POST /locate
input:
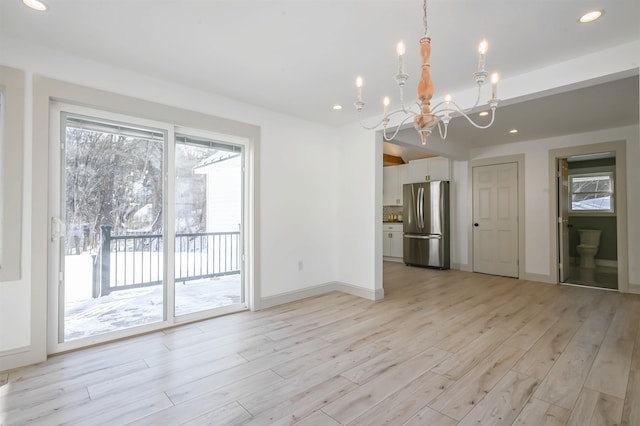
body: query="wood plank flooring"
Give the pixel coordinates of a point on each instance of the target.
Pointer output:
(442, 348)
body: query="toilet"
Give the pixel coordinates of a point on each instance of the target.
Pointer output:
(588, 247)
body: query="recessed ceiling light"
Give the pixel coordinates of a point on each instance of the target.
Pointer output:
(512, 131)
(591, 16)
(35, 5)
(484, 113)
(337, 107)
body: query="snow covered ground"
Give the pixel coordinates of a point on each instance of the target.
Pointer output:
(86, 316)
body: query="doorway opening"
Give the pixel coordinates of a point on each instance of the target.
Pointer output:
(587, 220)
(404, 164)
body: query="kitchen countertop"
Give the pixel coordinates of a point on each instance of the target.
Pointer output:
(391, 221)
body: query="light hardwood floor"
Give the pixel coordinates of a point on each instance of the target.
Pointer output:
(443, 348)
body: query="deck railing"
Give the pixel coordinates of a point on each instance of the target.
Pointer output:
(132, 261)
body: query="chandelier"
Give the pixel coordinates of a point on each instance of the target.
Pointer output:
(427, 118)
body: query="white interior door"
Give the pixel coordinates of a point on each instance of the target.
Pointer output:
(563, 218)
(495, 219)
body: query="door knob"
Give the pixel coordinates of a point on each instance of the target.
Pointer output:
(475, 224)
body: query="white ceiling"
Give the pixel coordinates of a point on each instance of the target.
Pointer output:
(301, 57)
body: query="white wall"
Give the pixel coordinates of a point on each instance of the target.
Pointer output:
(300, 186)
(15, 296)
(537, 189)
(15, 320)
(461, 217)
(359, 219)
(297, 201)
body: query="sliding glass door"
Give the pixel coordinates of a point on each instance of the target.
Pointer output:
(116, 267)
(208, 224)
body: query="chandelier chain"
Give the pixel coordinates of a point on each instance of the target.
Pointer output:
(424, 17)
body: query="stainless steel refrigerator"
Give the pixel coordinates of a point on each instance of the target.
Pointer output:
(426, 224)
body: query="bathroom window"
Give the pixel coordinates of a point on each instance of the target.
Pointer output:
(592, 192)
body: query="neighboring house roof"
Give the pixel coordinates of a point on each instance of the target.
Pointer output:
(216, 157)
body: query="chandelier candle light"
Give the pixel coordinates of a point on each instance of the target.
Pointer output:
(425, 119)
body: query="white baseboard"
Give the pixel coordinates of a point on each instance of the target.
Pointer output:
(634, 288)
(318, 290)
(599, 262)
(529, 276)
(355, 290)
(392, 259)
(19, 357)
(607, 263)
(468, 267)
(462, 267)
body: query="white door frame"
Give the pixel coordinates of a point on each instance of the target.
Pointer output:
(46, 90)
(562, 186)
(55, 298)
(619, 149)
(519, 159)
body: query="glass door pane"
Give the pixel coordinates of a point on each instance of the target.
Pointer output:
(208, 212)
(112, 210)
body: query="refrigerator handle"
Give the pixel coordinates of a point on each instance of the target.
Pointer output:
(421, 208)
(417, 208)
(423, 237)
(420, 200)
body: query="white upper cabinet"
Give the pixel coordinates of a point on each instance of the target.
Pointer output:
(393, 177)
(434, 168)
(389, 186)
(439, 168)
(403, 177)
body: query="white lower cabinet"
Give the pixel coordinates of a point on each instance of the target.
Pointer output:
(392, 240)
(396, 244)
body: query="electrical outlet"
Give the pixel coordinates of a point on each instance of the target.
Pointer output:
(300, 265)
